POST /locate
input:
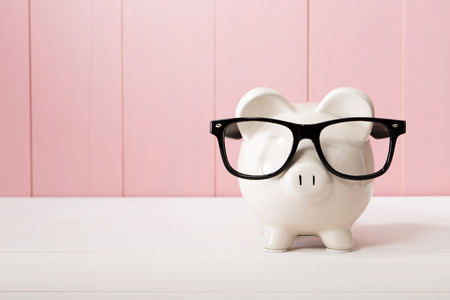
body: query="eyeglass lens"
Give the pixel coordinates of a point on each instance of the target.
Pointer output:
(264, 148)
(347, 145)
(261, 148)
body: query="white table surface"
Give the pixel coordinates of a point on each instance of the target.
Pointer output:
(210, 248)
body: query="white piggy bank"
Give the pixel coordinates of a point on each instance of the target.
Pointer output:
(306, 199)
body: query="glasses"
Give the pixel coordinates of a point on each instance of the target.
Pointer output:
(261, 148)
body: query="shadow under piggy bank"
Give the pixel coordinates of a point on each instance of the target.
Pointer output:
(394, 236)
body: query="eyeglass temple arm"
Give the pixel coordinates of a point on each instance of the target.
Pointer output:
(233, 132)
(379, 131)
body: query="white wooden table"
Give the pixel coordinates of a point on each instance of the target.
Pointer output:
(210, 248)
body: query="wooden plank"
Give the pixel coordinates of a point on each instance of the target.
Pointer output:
(221, 295)
(76, 100)
(427, 146)
(359, 44)
(389, 225)
(225, 271)
(169, 97)
(15, 154)
(258, 43)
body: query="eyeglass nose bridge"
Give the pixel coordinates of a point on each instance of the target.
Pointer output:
(305, 131)
(308, 132)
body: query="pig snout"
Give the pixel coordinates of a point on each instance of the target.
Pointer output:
(308, 178)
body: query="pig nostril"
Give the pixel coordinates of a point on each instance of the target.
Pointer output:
(300, 180)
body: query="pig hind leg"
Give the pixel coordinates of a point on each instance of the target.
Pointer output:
(338, 240)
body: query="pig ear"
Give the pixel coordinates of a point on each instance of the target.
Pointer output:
(263, 102)
(346, 102)
(260, 102)
(349, 102)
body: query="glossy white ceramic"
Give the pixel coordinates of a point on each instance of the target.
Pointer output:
(323, 204)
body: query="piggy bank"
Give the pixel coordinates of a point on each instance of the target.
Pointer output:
(306, 199)
(307, 169)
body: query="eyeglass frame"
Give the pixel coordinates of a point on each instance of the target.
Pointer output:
(311, 132)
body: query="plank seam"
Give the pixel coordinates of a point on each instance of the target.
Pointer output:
(31, 99)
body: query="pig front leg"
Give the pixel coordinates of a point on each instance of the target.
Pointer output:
(338, 240)
(276, 239)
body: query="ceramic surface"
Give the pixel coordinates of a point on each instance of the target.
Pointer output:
(319, 203)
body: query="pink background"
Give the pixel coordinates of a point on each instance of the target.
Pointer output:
(114, 97)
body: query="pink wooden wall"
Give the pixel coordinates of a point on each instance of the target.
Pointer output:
(114, 97)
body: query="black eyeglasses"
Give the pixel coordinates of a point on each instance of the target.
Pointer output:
(261, 148)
